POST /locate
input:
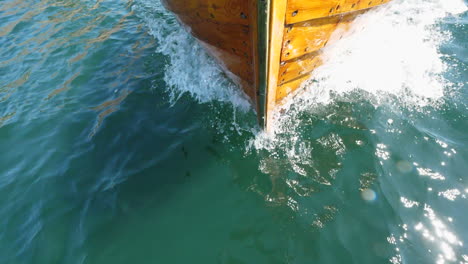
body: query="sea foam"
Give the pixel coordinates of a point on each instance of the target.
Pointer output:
(394, 52)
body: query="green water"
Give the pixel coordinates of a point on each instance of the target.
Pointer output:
(123, 142)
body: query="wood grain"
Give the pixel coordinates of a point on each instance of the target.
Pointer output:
(227, 29)
(293, 35)
(315, 25)
(303, 10)
(291, 70)
(285, 89)
(277, 13)
(312, 35)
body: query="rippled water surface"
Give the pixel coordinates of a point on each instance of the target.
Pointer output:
(123, 142)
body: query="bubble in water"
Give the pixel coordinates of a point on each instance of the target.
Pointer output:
(404, 166)
(368, 195)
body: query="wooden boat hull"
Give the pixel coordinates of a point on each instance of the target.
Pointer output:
(268, 47)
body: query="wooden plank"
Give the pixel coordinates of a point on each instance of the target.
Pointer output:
(253, 36)
(322, 23)
(285, 89)
(310, 36)
(229, 37)
(268, 46)
(291, 70)
(277, 16)
(231, 63)
(260, 60)
(227, 30)
(303, 10)
(216, 11)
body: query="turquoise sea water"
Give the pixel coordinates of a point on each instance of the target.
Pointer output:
(123, 142)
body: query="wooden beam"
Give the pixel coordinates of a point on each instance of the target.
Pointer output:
(302, 10)
(277, 18)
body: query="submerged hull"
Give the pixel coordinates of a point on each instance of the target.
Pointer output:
(268, 47)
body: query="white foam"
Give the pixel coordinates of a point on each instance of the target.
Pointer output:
(395, 52)
(190, 69)
(393, 57)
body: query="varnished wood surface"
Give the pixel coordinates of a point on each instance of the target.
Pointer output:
(309, 36)
(231, 63)
(254, 86)
(217, 11)
(227, 29)
(309, 27)
(291, 70)
(303, 10)
(289, 87)
(277, 13)
(292, 39)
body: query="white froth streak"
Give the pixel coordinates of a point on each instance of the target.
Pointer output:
(394, 52)
(189, 69)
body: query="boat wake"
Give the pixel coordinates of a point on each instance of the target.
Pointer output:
(394, 54)
(387, 80)
(367, 116)
(190, 70)
(392, 59)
